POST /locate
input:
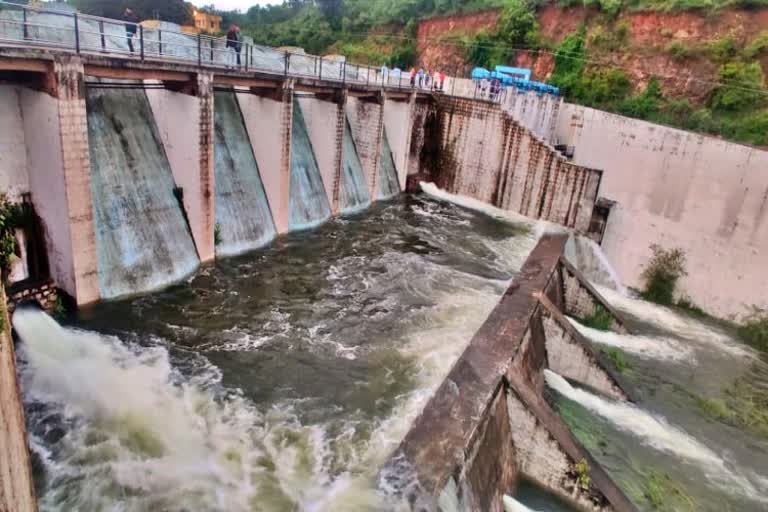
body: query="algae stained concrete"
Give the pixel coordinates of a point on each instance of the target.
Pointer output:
(325, 125)
(679, 189)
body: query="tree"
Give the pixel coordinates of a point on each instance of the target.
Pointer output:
(331, 9)
(175, 11)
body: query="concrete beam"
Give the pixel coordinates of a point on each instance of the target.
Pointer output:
(235, 81)
(29, 65)
(438, 442)
(137, 74)
(582, 299)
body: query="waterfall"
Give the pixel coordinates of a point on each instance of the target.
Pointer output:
(648, 347)
(512, 505)
(243, 216)
(656, 432)
(354, 189)
(142, 239)
(389, 186)
(308, 205)
(589, 258)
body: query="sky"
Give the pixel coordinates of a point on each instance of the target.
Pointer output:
(228, 5)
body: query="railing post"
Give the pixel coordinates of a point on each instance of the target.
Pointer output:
(211, 50)
(101, 35)
(160, 41)
(368, 76)
(77, 34)
(320, 73)
(199, 49)
(315, 63)
(344, 72)
(24, 18)
(400, 80)
(246, 57)
(287, 63)
(141, 41)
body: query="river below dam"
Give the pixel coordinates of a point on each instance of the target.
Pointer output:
(276, 380)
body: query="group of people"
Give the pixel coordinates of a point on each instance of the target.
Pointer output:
(427, 80)
(491, 89)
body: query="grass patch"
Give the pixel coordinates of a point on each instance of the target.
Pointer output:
(600, 319)
(754, 329)
(715, 408)
(616, 357)
(581, 474)
(217, 235)
(664, 493)
(687, 306)
(744, 406)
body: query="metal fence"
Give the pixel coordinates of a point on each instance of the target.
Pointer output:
(25, 26)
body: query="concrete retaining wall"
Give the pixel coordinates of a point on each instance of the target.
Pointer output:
(679, 189)
(476, 149)
(397, 124)
(16, 488)
(459, 452)
(366, 119)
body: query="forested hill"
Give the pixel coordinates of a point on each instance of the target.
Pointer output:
(694, 64)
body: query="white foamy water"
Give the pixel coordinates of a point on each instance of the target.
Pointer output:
(512, 505)
(648, 347)
(584, 254)
(539, 227)
(658, 433)
(677, 323)
(142, 439)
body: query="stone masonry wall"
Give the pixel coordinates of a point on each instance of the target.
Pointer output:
(70, 90)
(45, 294)
(486, 155)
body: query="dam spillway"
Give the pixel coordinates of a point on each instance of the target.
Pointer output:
(294, 374)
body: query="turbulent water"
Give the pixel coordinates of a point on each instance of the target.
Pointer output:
(130, 174)
(668, 452)
(243, 217)
(277, 380)
(590, 259)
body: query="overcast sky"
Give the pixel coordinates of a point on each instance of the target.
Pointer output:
(228, 5)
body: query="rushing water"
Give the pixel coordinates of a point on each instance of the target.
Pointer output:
(142, 239)
(277, 380)
(668, 452)
(243, 217)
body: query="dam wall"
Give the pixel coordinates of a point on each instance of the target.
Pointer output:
(17, 493)
(488, 424)
(476, 149)
(679, 189)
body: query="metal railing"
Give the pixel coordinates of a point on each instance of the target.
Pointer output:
(25, 26)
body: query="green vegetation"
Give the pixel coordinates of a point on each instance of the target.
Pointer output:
(11, 217)
(175, 11)
(687, 305)
(754, 329)
(663, 493)
(744, 405)
(581, 474)
(600, 319)
(617, 358)
(59, 310)
(217, 234)
(662, 273)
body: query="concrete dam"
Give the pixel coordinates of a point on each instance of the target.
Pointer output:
(298, 286)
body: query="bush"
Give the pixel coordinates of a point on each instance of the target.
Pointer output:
(485, 51)
(617, 358)
(743, 87)
(600, 319)
(662, 273)
(645, 105)
(517, 25)
(754, 329)
(10, 218)
(757, 47)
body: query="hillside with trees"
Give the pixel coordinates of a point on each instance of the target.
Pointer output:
(694, 64)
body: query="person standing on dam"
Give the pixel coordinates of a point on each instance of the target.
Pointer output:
(233, 41)
(131, 21)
